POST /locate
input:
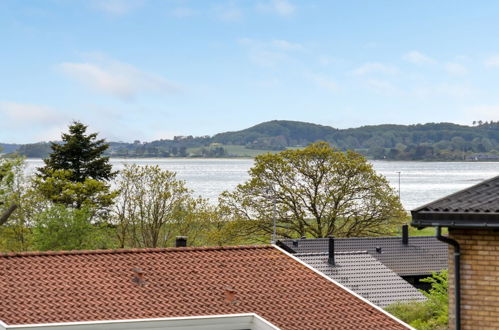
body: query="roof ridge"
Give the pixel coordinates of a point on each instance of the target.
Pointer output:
(335, 253)
(135, 250)
(356, 238)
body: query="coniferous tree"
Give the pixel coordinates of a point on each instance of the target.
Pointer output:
(76, 172)
(81, 154)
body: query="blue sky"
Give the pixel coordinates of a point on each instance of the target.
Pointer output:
(150, 69)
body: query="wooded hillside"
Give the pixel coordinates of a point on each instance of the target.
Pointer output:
(431, 141)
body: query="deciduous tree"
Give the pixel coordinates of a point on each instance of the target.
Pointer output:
(317, 191)
(151, 205)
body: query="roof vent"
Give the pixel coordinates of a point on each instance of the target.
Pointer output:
(405, 234)
(303, 237)
(138, 277)
(295, 242)
(378, 249)
(230, 295)
(330, 259)
(181, 241)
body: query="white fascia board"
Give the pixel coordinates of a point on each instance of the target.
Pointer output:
(206, 322)
(262, 324)
(343, 287)
(3, 326)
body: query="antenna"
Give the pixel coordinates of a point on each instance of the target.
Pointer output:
(399, 182)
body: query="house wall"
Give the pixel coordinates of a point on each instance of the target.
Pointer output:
(479, 278)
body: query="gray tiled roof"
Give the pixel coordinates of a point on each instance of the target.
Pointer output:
(366, 276)
(477, 205)
(422, 256)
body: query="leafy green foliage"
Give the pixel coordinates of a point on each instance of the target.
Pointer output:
(316, 191)
(151, 204)
(10, 174)
(428, 315)
(62, 228)
(58, 188)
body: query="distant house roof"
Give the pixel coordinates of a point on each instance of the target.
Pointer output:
(75, 286)
(476, 206)
(422, 255)
(366, 276)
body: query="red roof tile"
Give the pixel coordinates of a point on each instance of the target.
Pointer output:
(99, 285)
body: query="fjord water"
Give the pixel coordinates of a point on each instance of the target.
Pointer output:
(420, 182)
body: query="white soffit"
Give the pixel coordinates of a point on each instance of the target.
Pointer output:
(211, 322)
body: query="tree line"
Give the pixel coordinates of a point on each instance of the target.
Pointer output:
(432, 141)
(77, 201)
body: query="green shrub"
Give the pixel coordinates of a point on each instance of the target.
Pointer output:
(431, 314)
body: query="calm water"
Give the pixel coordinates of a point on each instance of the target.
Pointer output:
(421, 182)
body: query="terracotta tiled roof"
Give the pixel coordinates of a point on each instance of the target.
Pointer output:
(102, 285)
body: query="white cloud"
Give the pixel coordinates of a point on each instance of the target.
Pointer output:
(269, 53)
(286, 45)
(418, 58)
(279, 7)
(327, 60)
(492, 62)
(454, 91)
(382, 86)
(117, 7)
(374, 67)
(456, 69)
(31, 122)
(183, 12)
(228, 12)
(266, 58)
(28, 113)
(323, 81)
(117, 79)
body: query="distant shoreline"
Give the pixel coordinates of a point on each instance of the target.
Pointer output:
(248, 158)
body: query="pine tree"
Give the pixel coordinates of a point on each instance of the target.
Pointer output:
(81, 154)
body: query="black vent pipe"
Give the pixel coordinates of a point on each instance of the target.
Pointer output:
(330, 259)
(457, 275)
(405, 234)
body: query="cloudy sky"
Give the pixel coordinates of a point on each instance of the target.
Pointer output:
(150, 69)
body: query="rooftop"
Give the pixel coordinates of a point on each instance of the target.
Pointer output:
(366, 276)
(476, 206)
(76, 286)
(422, 255)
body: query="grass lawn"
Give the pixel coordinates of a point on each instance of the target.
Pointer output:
(430, 231)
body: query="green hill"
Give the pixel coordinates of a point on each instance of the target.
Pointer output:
(431, 141)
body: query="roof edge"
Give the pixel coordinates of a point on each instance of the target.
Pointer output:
(344, 287)
(453, 194)
(102, 322)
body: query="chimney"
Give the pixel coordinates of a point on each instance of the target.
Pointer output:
(405, 234)
(330, 259)
(181, 241)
